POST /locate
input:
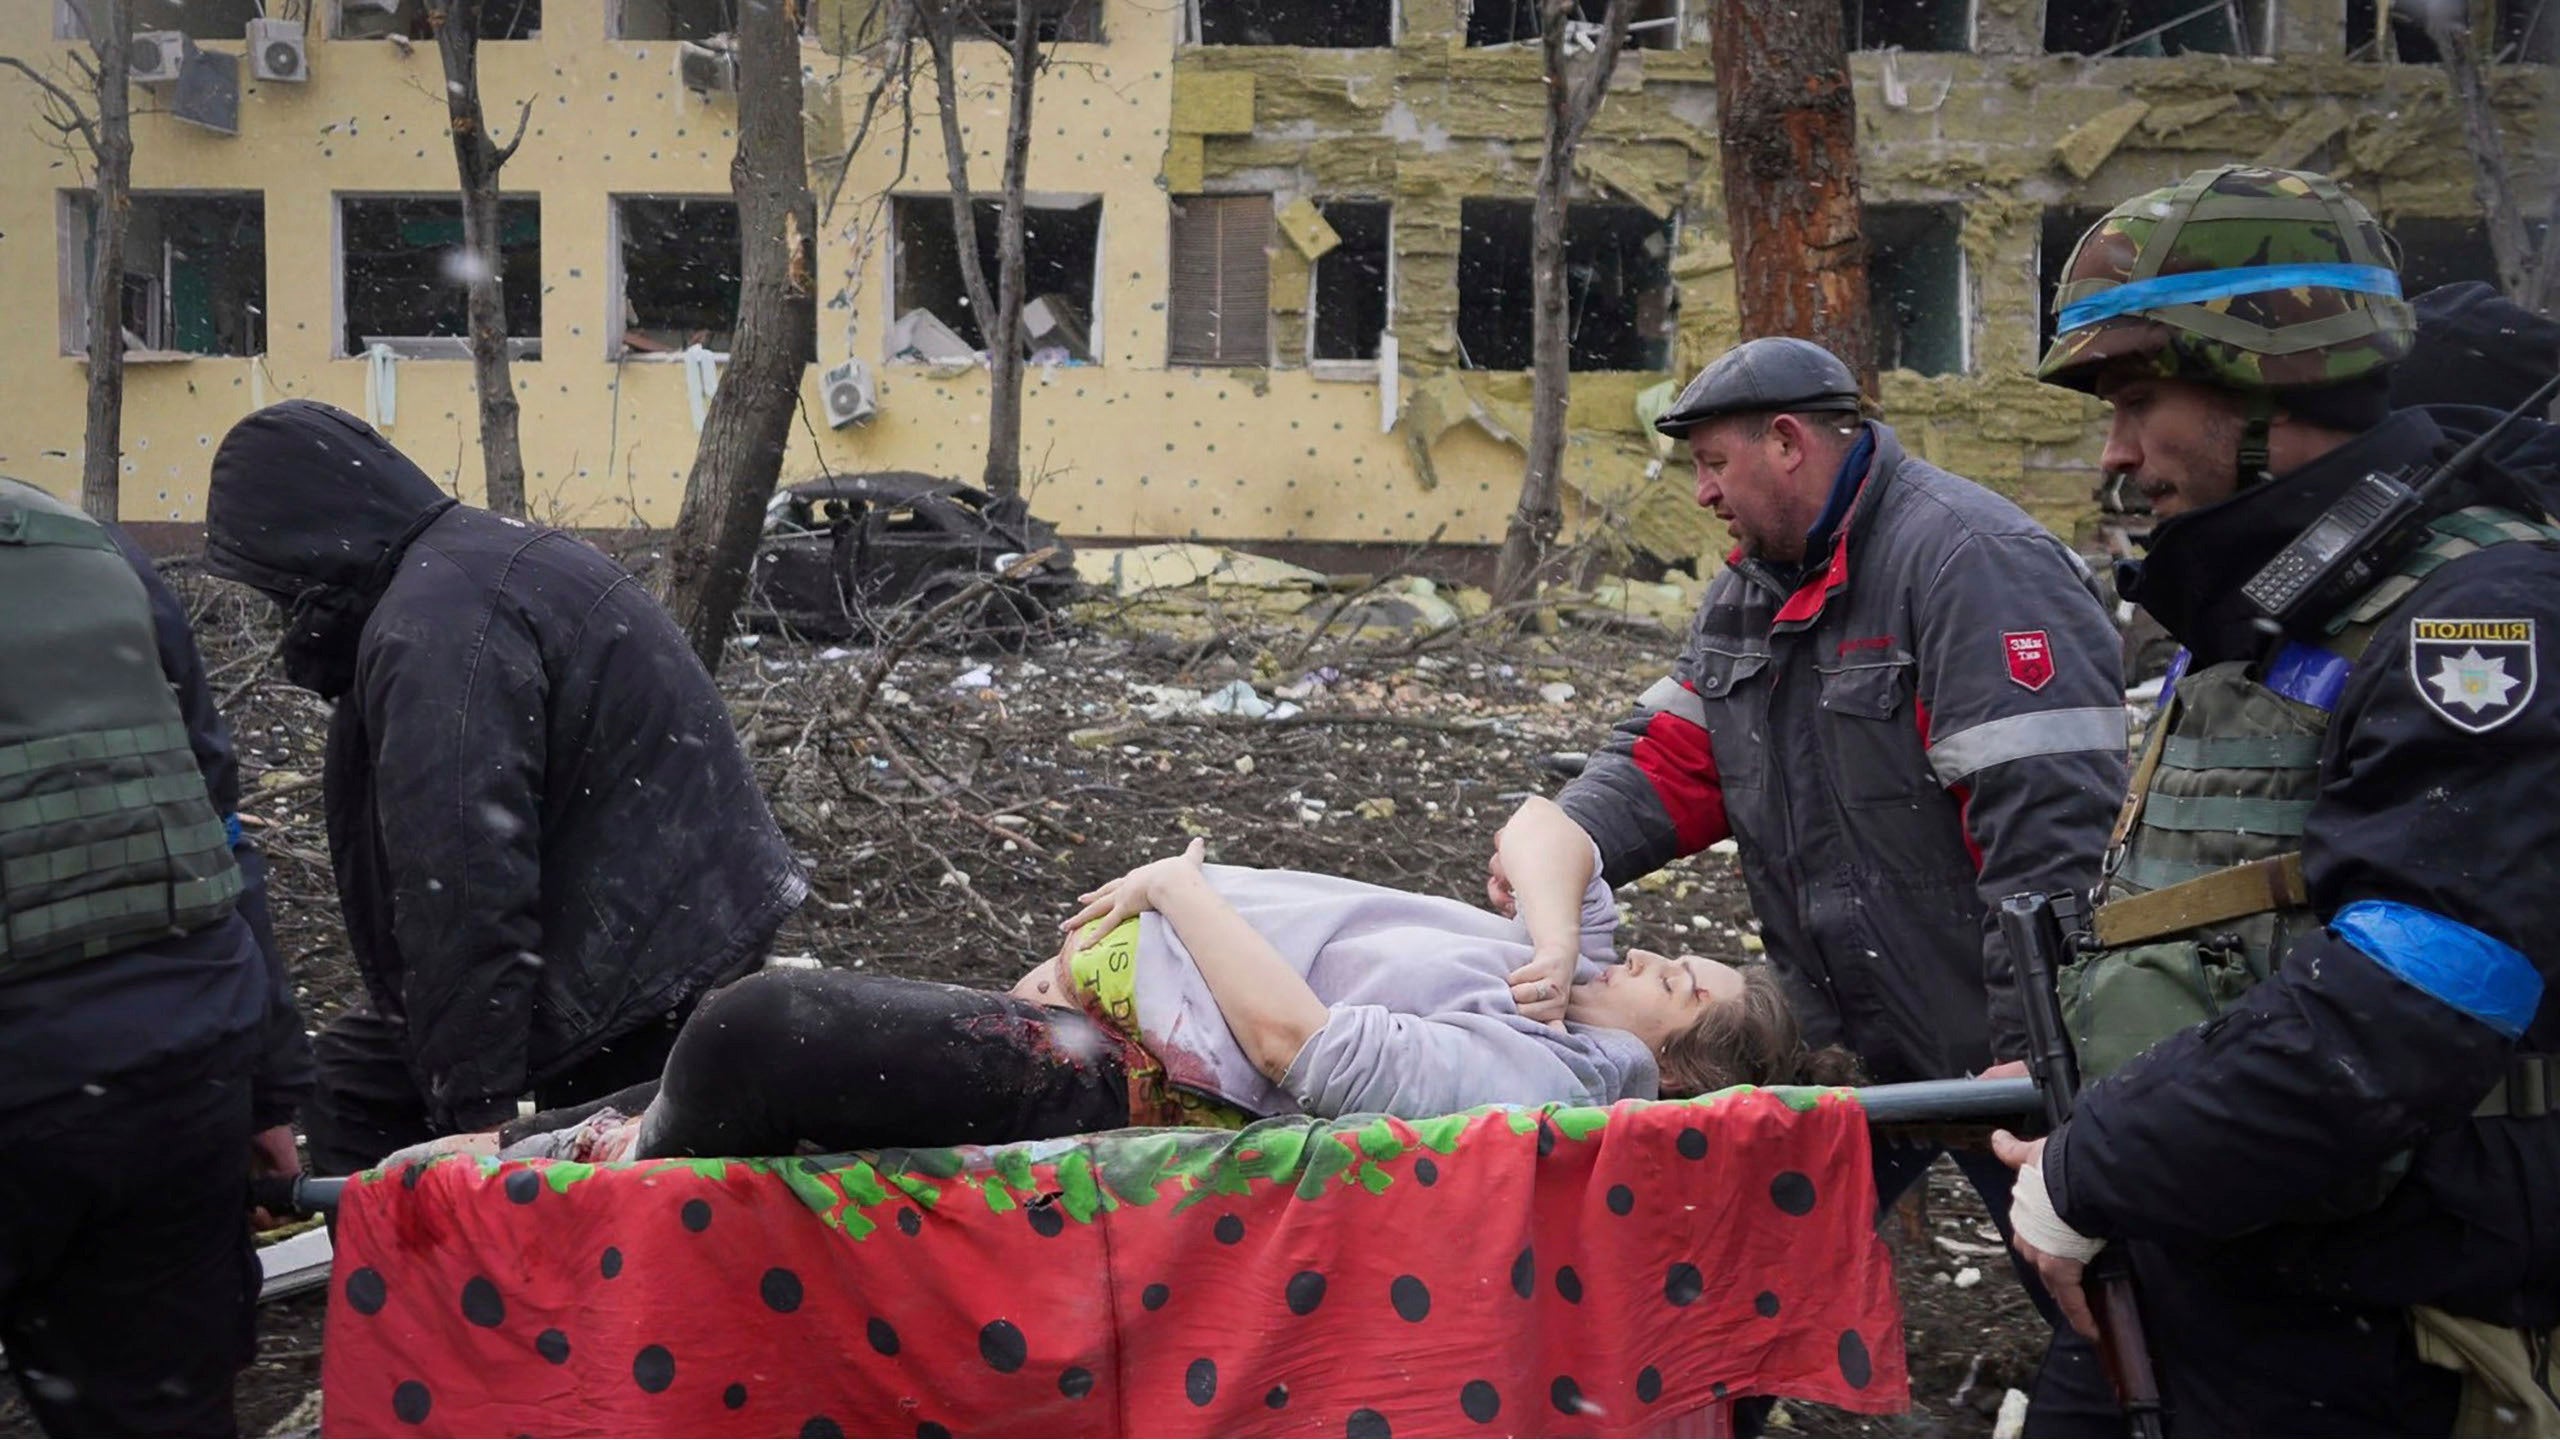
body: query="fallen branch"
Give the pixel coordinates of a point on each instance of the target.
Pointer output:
(923, 624)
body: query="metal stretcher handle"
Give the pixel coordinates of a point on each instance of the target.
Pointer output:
(1920, 1102)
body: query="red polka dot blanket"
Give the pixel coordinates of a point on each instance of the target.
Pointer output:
(1566, 1272)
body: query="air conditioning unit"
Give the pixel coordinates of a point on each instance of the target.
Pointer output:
(277, 52)
(158, 56)
(849, 394)
(706, 69)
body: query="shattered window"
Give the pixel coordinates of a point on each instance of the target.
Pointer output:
(1351, 305)
(1916, 287)
(195, 19)
(2523, 32)
(377, 19)
(1218, 303)
(1907, 24)
(404, 275)
(1654, 25)
(673, 19)
(2156, 27)
(680, 273)
(1618, 296)
(2060, 233)
(1077, 22)
(2437, 252)
(1313, 24)
(934, 323)
(195, 273)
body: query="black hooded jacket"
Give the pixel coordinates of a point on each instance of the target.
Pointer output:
(2213, 1137)
(544, 830)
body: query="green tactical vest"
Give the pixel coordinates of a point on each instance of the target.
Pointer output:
(2203, 893)
(107, 836)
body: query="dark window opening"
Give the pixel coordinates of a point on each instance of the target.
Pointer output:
(378, 19)
(195, 274)
(1915, 287)
(2060, 234)
(1907, 24)
(2155, 28)
(195, 19)
(1618, 297)
(2436, 252)
(1218, 306)
(2408, 41)
(405, 275)
(680, 274)
(1073, 22)
(1351, 282)
(1312, 24)
(674, 19)
(1653, 25)
(1058, 244)
(2522, 32)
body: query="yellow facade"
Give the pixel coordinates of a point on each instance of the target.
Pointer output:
(1132, 447)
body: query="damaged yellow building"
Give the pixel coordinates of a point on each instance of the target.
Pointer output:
(1282, 243)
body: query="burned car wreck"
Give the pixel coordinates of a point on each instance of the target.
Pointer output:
(843, 553)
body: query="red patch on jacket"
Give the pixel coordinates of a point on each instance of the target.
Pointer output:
(2030, 657)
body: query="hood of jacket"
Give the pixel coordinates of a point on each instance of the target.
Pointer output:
(304, 495)
(312, 506)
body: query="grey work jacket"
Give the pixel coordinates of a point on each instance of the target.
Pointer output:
(1931, 720)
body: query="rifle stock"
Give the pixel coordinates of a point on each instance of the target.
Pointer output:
(2032, 926)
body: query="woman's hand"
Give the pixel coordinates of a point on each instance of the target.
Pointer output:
(1132, 894)
(1540, 987)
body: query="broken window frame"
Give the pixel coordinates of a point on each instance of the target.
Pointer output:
(1034, 200)
(2252, 25)
(520, 345)
(1191, 31)
(1252, 345)
(74, 227)
(2524, 32)
(491, 34)
(1960, 285)
(1582, 207)
(617, 25)
(617, 279)
(1967, 40)
(1642, 33)
(68, 24)
(993, 22)
(1340, 367)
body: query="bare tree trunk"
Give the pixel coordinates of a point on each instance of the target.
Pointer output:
(749, 423)
(1572, 102)
(479, 159)
(1788, 142)
(2509, 245)
(102, 453)
(999, 311)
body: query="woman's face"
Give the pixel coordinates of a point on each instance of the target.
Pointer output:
(1654, 997)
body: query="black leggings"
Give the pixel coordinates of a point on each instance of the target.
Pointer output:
(817, 1061)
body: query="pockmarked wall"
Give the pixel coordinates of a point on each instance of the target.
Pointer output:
(1130, 446)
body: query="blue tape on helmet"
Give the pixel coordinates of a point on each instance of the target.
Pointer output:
(2478, 974)
(2162, 291)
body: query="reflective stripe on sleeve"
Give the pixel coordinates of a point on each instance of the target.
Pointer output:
(1670, 697)
(2020, 737)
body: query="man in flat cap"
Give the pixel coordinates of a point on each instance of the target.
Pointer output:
(1902, 699)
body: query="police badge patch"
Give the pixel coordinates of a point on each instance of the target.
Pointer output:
(2477, 674)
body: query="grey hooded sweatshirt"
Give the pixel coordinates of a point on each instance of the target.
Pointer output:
(1422, 1024)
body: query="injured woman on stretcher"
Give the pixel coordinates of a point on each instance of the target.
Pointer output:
(1196, 994)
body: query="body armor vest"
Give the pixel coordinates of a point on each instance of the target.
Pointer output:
(107, 835)
(2203, 893)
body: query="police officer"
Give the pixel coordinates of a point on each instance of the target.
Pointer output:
(1901, 699)
(150, 1053)
(2314, 1007)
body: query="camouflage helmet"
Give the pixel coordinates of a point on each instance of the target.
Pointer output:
(2243, 277)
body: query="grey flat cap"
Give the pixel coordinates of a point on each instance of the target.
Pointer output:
(1760, 377)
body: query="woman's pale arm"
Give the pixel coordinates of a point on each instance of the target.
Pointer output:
(1267, 1004)
(1549, 863)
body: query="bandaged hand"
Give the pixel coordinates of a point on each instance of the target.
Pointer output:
(2060, 1254)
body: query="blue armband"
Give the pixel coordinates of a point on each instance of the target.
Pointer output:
(231, 829)
(2480, 975)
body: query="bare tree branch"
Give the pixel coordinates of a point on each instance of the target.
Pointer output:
(524, 123)
(77, 116)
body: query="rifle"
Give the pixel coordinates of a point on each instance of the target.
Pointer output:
(2033, 927)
